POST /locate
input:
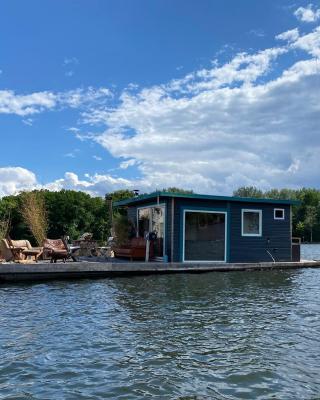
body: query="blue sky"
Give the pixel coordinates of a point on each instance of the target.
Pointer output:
(207, 95)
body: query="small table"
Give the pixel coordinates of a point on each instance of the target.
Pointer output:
(32, 253)
(73, 250)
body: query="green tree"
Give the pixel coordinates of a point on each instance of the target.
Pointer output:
(248, 191)
(122, 194)
(310, 219)
(300, 228)
(174, 189)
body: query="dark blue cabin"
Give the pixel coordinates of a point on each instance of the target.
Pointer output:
(204, 228)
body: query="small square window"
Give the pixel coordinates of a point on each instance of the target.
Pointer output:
(251, 222)
(278, 213)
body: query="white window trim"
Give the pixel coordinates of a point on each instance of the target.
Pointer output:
(184, 233)
(279, 209)
(161, 205)
(260, 222)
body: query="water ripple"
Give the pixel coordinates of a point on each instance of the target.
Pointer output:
(188, 337)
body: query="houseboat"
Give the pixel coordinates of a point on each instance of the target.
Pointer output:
(205, 228)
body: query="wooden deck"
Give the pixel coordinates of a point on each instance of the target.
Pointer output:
(85, 269)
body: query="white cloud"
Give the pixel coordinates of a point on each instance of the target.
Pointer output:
(15, 179)
(70, 155)
(245, 122)
(96, 185)
(290, 35)
(11, 103)
(97, 158)
(70, 60)
(307, 14)
(127, 164)
(309, 43)
(34, 103)
(70, 63)
(73, 129)
(257, 32)
(28, 121)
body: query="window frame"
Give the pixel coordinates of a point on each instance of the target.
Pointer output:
(243, 211)
(283, 214)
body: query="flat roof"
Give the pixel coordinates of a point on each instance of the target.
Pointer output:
(195, 196)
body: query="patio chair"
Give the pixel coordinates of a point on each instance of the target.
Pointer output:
(19, 250)
(58, 249)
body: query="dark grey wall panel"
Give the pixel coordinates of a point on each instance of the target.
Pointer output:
(253, 249)
(240, 248)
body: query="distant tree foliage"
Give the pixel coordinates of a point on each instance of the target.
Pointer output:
(122, 194)
(305, 218)
(248, 191)
(177, 190)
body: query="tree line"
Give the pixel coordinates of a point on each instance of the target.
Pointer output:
(69, 212)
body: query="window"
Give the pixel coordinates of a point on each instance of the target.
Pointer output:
(251, 222)
(278, 213)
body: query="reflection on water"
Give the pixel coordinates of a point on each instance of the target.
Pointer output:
(242, 335)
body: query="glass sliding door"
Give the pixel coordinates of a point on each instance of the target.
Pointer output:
(204, 236)
(157, 226)
(143, 221)
(152, 219)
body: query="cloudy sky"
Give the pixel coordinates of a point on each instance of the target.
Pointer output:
(207, 95)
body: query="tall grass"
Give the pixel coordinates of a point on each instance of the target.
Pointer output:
(34, 213)
(4, 226)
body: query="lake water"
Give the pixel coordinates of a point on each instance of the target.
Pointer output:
(310, 251)
(237, 335)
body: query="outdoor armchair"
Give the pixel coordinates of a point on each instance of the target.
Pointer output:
(58, 249)
(19, 250)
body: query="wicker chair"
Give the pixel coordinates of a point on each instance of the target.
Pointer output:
(56, 250)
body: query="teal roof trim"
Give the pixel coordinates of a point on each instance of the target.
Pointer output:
(154, 195)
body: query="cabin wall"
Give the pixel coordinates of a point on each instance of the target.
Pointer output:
(254, 249)
(239, 248)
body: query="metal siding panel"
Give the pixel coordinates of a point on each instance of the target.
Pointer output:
(253, 249)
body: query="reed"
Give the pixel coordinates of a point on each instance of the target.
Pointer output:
(34, 213)
(4, 226)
